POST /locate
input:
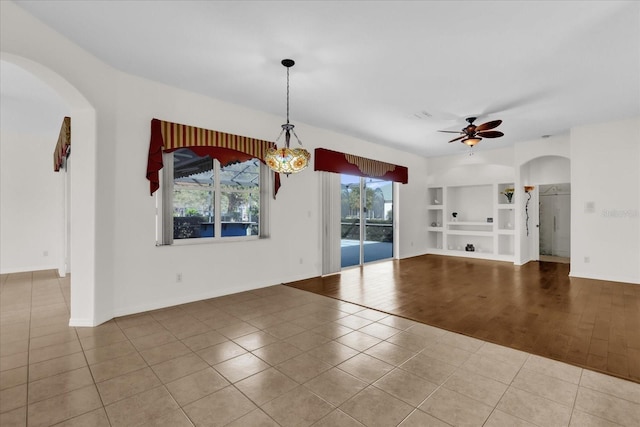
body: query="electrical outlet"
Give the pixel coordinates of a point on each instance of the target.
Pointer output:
(178, 277)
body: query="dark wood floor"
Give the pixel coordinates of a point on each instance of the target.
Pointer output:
(537, 307)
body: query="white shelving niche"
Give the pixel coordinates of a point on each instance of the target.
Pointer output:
(484, 219)
(435, 217)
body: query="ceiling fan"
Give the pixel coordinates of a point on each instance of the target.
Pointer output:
(472, 134)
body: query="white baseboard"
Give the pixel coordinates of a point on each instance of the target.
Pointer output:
(82, 323)
(169, 302)
(622, 279)
(27, 269)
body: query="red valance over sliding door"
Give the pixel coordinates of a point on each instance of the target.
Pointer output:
(225, 147)
(335, 161)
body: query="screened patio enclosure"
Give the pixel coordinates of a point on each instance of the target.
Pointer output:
(366, 220)
(194, 202)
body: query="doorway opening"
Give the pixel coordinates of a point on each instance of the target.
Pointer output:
(366, 223)
(555, 222)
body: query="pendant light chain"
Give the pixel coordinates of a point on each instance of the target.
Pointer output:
(287, 95)
(287, 160)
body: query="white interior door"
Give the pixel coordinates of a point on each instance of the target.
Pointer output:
(561, 235)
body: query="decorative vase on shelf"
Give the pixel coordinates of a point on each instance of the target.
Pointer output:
(508, 193)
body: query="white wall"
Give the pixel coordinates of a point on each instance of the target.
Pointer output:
(483, 167)
(145, 275)
(113, 216)
(548, 170)
(605, 175)
(557, 145)
(31, 203)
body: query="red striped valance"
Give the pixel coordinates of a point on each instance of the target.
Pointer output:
(168, 136)
(62, 146)
(335, 161)
(176, 136)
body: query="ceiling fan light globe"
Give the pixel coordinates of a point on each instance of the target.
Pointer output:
(471, 141)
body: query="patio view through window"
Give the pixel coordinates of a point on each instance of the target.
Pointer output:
(367, 201)
(211, 201)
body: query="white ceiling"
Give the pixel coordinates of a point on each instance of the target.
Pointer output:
(365, 68)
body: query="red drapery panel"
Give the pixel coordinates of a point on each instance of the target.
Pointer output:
(335, 161)
(225, 147)
(62, 146)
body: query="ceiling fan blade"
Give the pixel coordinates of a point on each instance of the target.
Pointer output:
(450, 131)
(488, 125)
(490, 134)
(456, 139)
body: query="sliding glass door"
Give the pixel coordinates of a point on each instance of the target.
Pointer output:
(366, 220)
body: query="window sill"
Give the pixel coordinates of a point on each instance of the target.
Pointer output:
(211, 240)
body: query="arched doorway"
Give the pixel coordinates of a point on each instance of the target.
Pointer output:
(546, 226)
(81, 207)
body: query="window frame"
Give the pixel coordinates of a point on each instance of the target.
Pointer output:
(164, 207)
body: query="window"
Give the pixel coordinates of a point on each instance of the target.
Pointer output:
(202, 199)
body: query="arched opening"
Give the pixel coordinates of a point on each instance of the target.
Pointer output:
(33, 196)
(76, 211)
(545, 231)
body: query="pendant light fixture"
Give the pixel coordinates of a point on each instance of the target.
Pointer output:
(287, 160)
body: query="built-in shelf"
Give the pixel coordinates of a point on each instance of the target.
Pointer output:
(507, 232)
(470, 233)
(483, 220)
(469, 223)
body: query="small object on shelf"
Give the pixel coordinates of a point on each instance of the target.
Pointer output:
(508, 193)
(434, 224)
(455, 216)
(438, 224)
(469, 248)
(489, 220)
(436, 201)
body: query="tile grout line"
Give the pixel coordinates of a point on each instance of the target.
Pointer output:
(162, 384)
(575, 400)
(84, 355)
(507, 389)
(34, 294)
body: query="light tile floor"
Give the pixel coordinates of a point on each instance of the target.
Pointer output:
(277, 357)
